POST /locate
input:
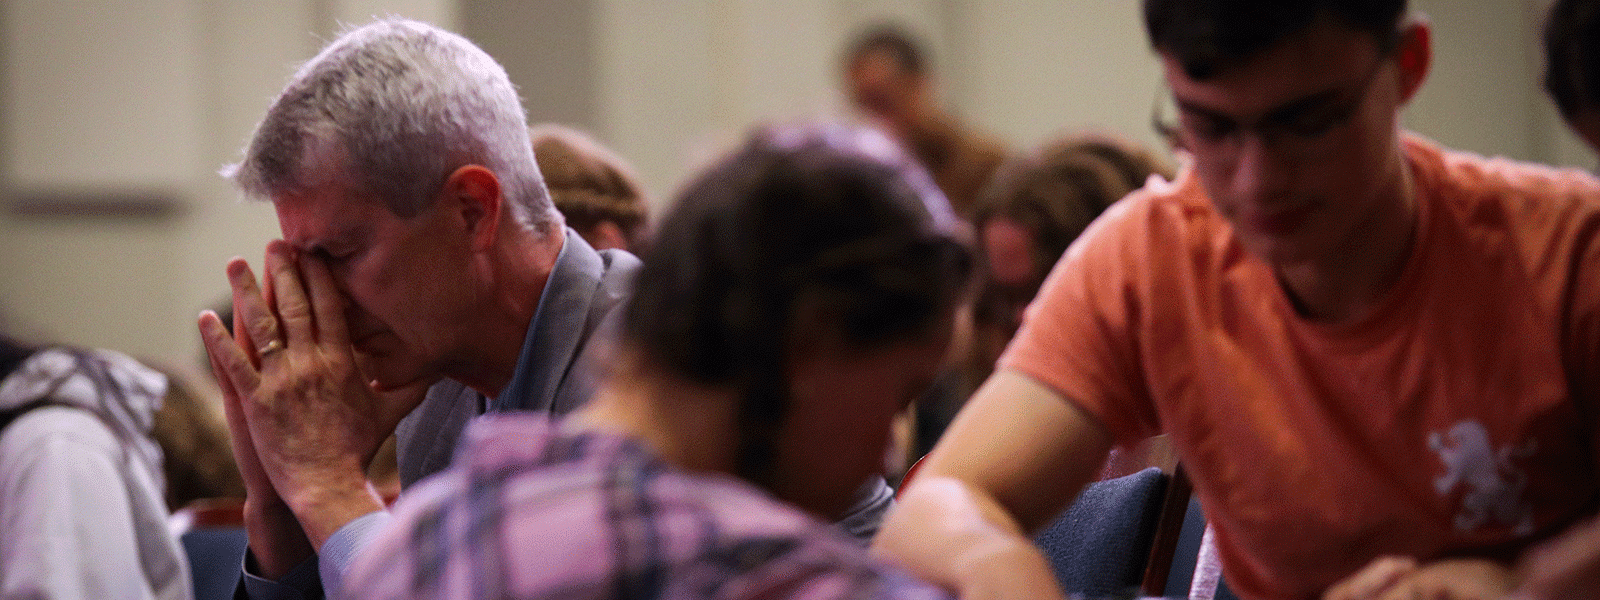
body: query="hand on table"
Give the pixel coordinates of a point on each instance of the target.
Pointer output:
(1403, 578)
(1565, 567)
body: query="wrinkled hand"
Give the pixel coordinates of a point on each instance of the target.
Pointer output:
(1566, 567)
(1403, 578)
(276, 538)
(313, 423)
(942, 532)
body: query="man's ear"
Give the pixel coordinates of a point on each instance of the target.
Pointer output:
(474, 191)
(1415, 56)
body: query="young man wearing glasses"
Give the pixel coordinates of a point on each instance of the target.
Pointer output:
(1376, 357)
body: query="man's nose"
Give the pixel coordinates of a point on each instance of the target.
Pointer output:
(353, 313)
(1261, 169)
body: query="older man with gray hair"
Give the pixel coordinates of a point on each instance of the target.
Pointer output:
(420, 250)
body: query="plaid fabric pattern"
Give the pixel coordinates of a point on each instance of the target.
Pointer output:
(530, 511)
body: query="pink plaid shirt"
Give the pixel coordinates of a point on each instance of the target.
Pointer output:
(529, 510)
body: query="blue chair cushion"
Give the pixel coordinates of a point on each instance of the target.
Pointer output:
(1100, 545)
(216, 555)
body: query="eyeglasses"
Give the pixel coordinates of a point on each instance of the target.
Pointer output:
(1299, 128)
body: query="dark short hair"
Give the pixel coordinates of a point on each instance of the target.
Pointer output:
(1572, 55)
(893, 40)
(799, 234)
(1206, 36)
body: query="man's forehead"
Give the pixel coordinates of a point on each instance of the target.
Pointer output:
(324, 214)
(1303, 66)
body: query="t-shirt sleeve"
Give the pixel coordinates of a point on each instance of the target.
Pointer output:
(1079, 336)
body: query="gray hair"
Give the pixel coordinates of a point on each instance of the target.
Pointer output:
(392, 108)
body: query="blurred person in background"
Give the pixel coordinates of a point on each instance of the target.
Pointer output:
(887, 75)
(594, 188)
(82, 514)
(193, 435)
(1035, 206)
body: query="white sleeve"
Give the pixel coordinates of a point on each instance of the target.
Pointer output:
(65, 511)
(339, 553)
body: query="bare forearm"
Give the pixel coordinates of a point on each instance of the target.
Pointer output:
(952, 535)
(1028, 449)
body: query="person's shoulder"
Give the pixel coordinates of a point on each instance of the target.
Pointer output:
(1463, 176)
(57, 422)
(54, 437)
(1160, 202)
(511, 441)
(793, 570)
(525, 458)
(583, 494)
(744, 510)
(521, 491)
(1162, 215)
(578, 261)
(765, 545)
(798, 569)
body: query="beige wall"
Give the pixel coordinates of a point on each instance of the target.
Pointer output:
(110, 97)
(149, 97)
(682, 79)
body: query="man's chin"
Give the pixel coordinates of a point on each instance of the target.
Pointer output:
(419, 384)
(384, 376)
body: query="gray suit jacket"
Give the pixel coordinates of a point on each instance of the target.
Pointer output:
(586, 289)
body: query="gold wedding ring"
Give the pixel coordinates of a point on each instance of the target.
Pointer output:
(272, 346)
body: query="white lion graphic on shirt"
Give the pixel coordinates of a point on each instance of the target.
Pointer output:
(1494, 485)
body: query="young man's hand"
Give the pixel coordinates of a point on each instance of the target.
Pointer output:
(1403, 578)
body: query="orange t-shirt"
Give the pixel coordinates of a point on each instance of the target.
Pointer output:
(1442, 423)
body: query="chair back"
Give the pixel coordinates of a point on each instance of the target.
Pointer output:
(212, 534)
(1187, 553)
(1100, 545)
(1196, 570)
